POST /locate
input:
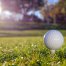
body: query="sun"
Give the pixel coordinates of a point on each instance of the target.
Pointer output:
(0, 8)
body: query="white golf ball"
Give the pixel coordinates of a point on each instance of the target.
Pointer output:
(53, 39)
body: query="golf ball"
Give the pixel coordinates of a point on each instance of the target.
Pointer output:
(53, 39)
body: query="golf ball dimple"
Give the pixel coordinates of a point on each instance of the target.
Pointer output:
(53, 39)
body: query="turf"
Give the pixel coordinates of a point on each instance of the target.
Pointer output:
(26, 32)
(29, 51)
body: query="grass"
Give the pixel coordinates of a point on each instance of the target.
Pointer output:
(29, 51)
(26, 32)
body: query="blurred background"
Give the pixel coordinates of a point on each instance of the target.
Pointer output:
(18, 16)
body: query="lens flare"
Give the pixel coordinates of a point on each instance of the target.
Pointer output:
(0, 8)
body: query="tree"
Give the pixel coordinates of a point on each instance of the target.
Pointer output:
(62, 5)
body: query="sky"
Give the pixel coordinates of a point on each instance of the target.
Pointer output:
(52, 1)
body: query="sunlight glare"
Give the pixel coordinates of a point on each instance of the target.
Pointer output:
(0, 8)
